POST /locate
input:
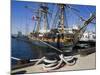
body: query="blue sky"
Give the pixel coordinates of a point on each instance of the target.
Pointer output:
(21, 18)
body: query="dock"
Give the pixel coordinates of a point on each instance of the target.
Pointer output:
(80, 65)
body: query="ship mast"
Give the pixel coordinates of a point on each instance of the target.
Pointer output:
(38, 21)
(62, 8)
(44, 13)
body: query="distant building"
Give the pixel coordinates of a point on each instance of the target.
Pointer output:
(88, 36)
(19, 34)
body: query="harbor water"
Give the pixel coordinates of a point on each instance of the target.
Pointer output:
(23, 50)
(27, 50)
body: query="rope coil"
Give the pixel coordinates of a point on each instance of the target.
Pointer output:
(55, 64)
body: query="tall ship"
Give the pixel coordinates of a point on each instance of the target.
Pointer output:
(60, 35)
(55, 40)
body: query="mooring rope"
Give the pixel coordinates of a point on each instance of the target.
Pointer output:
(54, 64)
(15, 58)
(40, 60)
(51, 46)
(55, 67)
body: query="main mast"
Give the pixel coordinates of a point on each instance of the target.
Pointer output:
(62, 8)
